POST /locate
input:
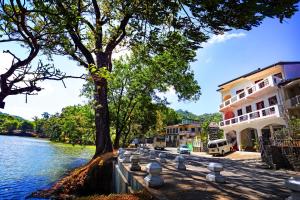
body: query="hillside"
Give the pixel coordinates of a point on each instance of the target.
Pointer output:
(215, 117)
(15, 125)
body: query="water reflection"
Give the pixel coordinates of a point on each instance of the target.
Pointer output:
(28, 164)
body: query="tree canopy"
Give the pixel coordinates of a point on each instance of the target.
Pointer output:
(19, 25)
(90, 31)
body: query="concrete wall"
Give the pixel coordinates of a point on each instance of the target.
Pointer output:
(124, 181)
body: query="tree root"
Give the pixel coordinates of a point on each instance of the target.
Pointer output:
(93, 178)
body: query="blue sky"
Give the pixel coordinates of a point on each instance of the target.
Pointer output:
(224, 57)
(238, 52)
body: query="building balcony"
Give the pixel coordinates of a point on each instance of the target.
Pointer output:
(272, 111)
(187, 133)
(251, 92)
(293, 102)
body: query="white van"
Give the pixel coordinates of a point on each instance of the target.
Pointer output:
(159, 142)
(219, 147)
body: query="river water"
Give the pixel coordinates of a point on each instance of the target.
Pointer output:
(28, 164)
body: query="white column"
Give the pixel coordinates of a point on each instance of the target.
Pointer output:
(259, 133)
(272, 131)
(238, 139)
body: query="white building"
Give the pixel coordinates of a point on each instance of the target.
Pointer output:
(256, 104)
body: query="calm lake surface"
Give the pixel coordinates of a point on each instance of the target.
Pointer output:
(27, 164)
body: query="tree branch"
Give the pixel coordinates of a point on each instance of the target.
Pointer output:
(119, 36)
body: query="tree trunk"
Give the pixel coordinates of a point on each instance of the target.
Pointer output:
(103, 140)
(117, 139)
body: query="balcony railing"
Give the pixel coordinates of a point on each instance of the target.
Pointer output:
(295, 100)
(269, 81)
(258, 114)
(287, 143)
(187, 133)
(292, 102)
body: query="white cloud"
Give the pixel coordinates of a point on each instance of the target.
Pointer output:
(222, 38)
(5, 62)
(170, 95)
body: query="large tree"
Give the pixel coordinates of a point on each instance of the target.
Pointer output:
(135, 81)
(91, 31)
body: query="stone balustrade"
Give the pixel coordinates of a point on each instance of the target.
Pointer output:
(135, 159)
(154, 178)
(180, 163)
(126, 158)
(152, 155)
(162, 157)
(293, 184)
(215, 174)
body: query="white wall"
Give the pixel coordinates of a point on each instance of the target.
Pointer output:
(264, 98)
(240, 86)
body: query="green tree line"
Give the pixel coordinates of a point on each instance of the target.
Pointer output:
(75, 124)
(10, 124)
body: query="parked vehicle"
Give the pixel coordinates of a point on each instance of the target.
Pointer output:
(219, 147)
(159, 142)
(183, 149)
(134, 143)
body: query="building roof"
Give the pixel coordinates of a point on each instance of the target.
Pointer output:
(216, 141)
(182, 125)
(256, 71)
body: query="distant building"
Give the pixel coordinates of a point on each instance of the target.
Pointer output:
(258, 103)
(213, 132)
(185, 133)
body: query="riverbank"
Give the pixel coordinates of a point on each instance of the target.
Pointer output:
(93, 178)
(20, 134)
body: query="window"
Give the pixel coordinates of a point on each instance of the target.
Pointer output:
(192, 130)
(248, 109)
(168, 130)
(239, 91)
(239, 112)
(260, 105)
(212, 145)
(176, 130)
(160, 139)
(279, 75)
(258, 81)
(272, 101)
(180, 129)
(220, 144)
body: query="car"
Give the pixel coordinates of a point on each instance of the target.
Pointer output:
(183, 149)
(219, 147)
(134, 143)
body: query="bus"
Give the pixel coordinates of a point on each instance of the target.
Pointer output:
(159, 142)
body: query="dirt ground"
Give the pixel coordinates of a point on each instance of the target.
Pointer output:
(240, 155)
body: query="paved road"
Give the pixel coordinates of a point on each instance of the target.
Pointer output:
(245, 178)
(232, 156)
